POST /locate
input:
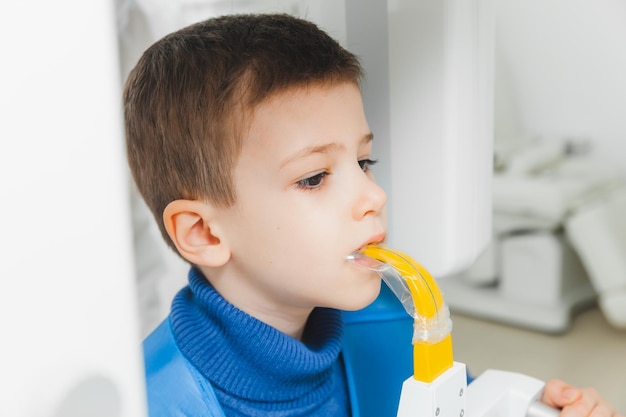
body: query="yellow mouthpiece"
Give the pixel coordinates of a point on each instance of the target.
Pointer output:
(432, 341)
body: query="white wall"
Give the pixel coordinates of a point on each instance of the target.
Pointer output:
(70, 342)
(566, 60)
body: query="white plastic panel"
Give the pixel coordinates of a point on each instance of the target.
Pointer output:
(441, 95)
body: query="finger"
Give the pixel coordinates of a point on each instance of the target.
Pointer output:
(588, 405)
(560, 394)
(600, 410)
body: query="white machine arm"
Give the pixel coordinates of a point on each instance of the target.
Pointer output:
(493, 394)
(501, 393)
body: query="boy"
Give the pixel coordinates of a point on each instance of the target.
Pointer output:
(246, 137)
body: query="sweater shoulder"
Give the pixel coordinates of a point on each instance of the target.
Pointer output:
(174, 388)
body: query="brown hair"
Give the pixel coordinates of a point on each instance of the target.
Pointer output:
(187, 100)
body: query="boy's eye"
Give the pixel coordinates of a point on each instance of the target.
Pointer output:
(312, 182)
(365, 164)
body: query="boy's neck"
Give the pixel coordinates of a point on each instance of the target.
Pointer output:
(290, 321)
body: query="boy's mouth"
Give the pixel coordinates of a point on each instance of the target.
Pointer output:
(358, 258)
(374, 240)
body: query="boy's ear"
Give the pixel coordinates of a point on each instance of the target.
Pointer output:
(193, 227)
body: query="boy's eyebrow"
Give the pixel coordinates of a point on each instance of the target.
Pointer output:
(367, 138)
(328, 147)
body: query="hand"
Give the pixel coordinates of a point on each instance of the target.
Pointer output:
(577, 402)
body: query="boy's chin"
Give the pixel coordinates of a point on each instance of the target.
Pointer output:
(363, 298)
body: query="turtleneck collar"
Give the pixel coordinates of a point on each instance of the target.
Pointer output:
(247, 359)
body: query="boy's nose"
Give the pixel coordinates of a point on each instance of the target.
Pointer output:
(371, 199)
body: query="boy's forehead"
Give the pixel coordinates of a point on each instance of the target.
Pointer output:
(298, 100)
(308, 120)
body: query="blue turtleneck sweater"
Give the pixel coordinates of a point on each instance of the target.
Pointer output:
(255, 369)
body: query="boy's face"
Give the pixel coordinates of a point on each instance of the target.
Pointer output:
(305, 200)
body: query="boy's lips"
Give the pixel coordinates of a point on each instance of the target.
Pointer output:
(358, 258)
(375, 239)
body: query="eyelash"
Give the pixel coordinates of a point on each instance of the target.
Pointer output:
(366, 164)
(315, 182)
(317, 179)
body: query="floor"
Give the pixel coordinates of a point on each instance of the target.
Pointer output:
(591, 353)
